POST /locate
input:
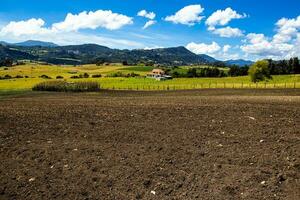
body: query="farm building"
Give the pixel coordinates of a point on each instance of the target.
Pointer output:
(158, 74)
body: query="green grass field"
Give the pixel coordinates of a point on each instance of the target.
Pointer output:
(33, 71)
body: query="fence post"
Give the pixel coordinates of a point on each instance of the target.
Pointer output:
(256, 85)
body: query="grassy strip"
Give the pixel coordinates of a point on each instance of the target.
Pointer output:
(63, 86)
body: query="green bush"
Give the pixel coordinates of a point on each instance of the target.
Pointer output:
(45, 76)
(59, 77)
(96, 76)
(63, 86)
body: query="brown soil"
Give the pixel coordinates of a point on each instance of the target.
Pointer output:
(207, 144)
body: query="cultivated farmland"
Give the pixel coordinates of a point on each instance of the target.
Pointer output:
(196, 144)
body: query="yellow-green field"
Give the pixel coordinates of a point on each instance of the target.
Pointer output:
(33, 71)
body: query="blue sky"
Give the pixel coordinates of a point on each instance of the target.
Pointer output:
(225, 29)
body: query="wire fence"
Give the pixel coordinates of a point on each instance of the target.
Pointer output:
(294, 85)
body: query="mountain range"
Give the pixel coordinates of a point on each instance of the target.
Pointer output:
(93, 53)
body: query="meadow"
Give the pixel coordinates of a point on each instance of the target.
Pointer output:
(33, 72)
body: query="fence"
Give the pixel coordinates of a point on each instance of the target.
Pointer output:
(157, 86)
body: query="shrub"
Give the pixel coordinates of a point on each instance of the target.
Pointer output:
(5, 68)
(63, 86)
(120, 74)
(96, 75)
(19, 76)
(7, 76)
(74, 77)
(45, 76)
(26, 76)
(59, 77)
(86, 75)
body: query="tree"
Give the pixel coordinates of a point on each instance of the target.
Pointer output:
(259, 71)
(7, 62)
(296, 65)
(125, 63)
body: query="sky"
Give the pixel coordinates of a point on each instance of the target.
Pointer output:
(224, 29)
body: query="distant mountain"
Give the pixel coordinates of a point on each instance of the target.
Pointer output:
(239, 62)
(92, 53)
(4, 43)
(6, 52)
(31, 43)
(208, 58)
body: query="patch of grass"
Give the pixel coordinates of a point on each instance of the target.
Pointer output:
(139, 68)
(63, 86)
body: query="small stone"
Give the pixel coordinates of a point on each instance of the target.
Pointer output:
(66, 165)
(263, 182)
(220, 145)
(261, 141)
(52, 166)
(31, 179)
(75, 149)
(152, 192)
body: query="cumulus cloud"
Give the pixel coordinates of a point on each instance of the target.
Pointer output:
(149, 23)
(223, 17)
(144, 13)
(92, 20)
(202, 48)
(228, 32)
(284, 44)
(213, 49)
(28, 27)
(67, 31)
(189, 15)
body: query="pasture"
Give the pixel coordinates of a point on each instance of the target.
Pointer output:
(34, 71)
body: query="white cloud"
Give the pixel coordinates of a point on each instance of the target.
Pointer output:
(66, 32)
(189, 15)
(228, 32)
(284, 44)
(28, 27)
(203, 48)
(144, 13)
(149, 23)
(261, 46)
(226, 48)
(214, 50)
(287, 29)
(223, 17)
(92, 20)
(153, 47)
